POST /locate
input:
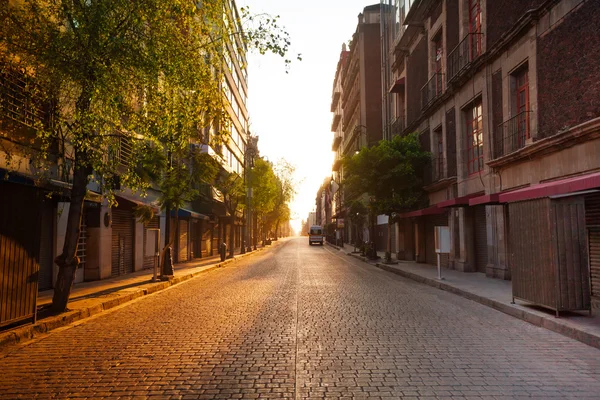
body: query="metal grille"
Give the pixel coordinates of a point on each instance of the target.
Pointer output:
(18, 101)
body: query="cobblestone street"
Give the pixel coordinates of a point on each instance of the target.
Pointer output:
(302, 322)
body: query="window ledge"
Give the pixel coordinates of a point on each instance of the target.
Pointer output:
(578, 134)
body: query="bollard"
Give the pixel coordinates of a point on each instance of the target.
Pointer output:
(223, 251)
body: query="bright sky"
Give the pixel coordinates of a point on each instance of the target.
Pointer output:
(290, 112)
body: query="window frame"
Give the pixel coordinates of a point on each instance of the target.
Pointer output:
(474, 130)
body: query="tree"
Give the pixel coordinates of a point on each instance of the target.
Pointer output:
(145, 72)
(232, 187)
(391, 174)
(264, 190)
(286, 184)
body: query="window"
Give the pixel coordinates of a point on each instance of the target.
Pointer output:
(475, 28)
(439, 162)
(474, 129)
(438, 53)
(519, 88)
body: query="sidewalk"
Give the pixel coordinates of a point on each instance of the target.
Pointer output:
(91, 298)
(493, 293)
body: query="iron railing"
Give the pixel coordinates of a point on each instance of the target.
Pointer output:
(467, 51)
(20, 98)
(512, 135)
(432, 89)
(397, 126)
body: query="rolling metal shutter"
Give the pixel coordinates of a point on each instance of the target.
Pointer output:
(19, 251)
(183, 240)
(592, 222)
(46, 245)
(153, 224)
(122, 242)
(480, 231)
(206, 239)
(194, 226)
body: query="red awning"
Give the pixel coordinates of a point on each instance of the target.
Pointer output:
(555, 188)
(397, 85)
(485, 199)
(458, 201)
(433, 210)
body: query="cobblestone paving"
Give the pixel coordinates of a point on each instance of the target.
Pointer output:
(302, 322)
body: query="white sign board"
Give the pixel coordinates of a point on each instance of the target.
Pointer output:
(442, 239)
(151, 249)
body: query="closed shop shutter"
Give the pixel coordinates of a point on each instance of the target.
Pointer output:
(149, 260)
(183, 240)
(206, 239)
(193, 238)
(215, 239)
(592, 221)
(481, 257)
(46, 245)
(122, 241)
(594, 243)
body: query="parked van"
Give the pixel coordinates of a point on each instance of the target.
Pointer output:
(315, 235)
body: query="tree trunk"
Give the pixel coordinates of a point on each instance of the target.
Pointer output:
(276, 229)
(68, 261)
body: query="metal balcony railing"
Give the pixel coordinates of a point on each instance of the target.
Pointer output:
(337, 139)
(432, 89)
(467, 51)
(397, 126)
(336, 121)
(512, 135)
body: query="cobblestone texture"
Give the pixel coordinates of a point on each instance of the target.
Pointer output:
(302, 322)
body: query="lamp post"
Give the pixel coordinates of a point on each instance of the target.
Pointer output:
(362, 130)
(249, 155)
(373, 249)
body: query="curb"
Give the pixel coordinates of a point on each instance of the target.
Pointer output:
(28, 332)
(550, 323)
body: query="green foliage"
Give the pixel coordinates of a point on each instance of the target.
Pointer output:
(264, 187)
(233, 190)
(391, 173)
(357, 212)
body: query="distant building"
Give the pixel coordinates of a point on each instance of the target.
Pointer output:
(356, 100)
(312, 218)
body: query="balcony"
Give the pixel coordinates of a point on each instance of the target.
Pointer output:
(335, 122)
(461, 57)
(397, 126)
(432, 90)
(337, 139)
(336, 164)
(512, 135)
(335, 99)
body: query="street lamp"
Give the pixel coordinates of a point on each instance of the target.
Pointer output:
(249, 155)
(360, 130)
(373, 250)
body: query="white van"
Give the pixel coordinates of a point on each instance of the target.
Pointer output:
(315, 235)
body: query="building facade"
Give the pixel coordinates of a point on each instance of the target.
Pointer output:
(356, 101)
(112, 241)
(505, 96)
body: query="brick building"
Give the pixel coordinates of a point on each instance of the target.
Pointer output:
(506, 96)
(356, 100)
